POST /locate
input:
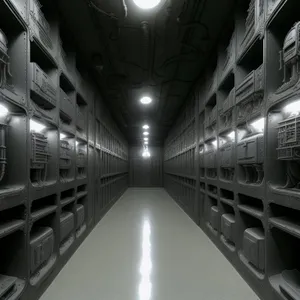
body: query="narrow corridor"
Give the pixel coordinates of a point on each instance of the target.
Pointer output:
(147, 248)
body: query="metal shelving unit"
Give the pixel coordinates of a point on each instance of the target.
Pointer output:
(60, 171)
(179, 160)
(247, 165)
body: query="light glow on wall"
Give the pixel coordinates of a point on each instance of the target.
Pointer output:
(36, 126)
(258, 125)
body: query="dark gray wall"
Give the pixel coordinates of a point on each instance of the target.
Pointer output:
(146, 172)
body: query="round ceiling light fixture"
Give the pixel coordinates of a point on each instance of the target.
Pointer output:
(146, 127)
(146, 133)
(146, 139)
(146, 4)
(146, 100)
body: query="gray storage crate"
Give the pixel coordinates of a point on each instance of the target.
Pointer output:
(80, 119)
(41, 247)
(10, 288)
(249, 96)
(66, 106)
(65, 155)
(42, 87)
(81, 159)
(254, 247)
(227, 155)
(39, 157)
(226, 112)
(289, 139)
(80, 211)
(210, 159)
(67, 225)
(40, 26)
(215, 218)
(250, 150)
(228, 227)
(254, 24)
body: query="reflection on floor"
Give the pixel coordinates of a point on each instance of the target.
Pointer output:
(146, 248)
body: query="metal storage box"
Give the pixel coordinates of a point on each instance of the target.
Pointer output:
(41, 247)
(226, 155)
(7, 287)
(210, 158)
(66, 106)
(81, 159)
(80, 215)
(249, 95)
(42, 85)
(289, 139)
(251, 150)
(39, 25)
(254, 247)
(226, 111)
(251, 87)
(80, 121)
(67, 224)
(227, 226)
(65, 155)
(214, 217)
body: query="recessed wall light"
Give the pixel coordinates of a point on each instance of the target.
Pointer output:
(259, 125)
(215, 143)
(293, 108)
(62, 136)
(146, 100)
(231, 135)
(36, 126)
(3, 111)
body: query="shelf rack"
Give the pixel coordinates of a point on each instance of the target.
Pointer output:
(246, 164)
(57, 120)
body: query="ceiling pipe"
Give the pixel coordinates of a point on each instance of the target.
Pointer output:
(146, 46)
(109, 15)
(124, 8)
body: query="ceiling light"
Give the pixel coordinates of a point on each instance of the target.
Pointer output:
(146, 100)
(62, 136)
(231, 135)
(3, 111)
(293, 108)
(146, 127)
(36, 126)
(146, 4)
(77, 143)
(146, 133)
(215, 143)
(146, 139)
(146, 143)
(146, 153)
(258, 125)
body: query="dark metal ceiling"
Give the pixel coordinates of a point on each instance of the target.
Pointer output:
(133, 52)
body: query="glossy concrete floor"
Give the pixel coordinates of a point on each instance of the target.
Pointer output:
(146, 248)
